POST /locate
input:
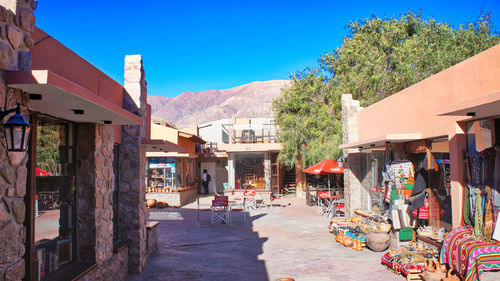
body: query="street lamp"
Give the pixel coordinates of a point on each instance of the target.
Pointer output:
(17, 130)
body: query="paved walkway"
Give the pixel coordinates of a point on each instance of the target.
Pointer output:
(283, 242)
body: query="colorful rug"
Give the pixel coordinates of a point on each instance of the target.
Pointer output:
(468, 256)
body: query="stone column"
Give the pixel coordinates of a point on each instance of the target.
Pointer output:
(95, 195)
(230, 170)
(132, 219)
(267, 169)
(16, 23)
(355, 168)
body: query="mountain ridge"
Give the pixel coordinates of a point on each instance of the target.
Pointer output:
(192, 108)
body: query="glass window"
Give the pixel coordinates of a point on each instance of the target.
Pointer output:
(55, 192)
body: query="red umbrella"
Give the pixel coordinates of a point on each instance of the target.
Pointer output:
(327, 166)
(40, 173)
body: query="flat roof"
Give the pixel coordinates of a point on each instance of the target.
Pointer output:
(382, 140)
(475, 108)
(162, 146)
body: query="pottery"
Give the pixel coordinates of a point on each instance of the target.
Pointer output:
(378, 241)
(151, 203)
(431, 272)
(340, 237)
(161, 204)
(348, 241)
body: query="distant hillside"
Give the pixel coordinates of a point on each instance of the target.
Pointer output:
(192, 108)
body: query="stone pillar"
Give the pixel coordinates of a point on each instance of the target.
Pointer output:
(132, 219)
(16, 23)
(230, 170)
(267, 169)
(356, 167)
(95, 195)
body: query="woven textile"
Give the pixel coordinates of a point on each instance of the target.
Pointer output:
(468, 256)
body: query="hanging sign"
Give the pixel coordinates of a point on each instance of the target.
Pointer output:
(418, 146)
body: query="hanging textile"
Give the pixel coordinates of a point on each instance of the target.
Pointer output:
(478, 218)
(466, 207)
(488, 216)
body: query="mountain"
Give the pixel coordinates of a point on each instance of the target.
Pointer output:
(193, 108)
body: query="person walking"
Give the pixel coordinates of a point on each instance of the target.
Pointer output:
(205, 179)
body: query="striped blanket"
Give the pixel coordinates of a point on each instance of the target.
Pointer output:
(468, 256)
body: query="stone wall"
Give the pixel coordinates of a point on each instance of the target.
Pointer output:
(114, 268)
(132, 220)
(95, 192)
(16, 21)
(356, 168)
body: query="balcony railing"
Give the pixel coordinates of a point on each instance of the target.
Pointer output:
(250, 133)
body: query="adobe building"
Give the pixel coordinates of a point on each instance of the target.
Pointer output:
(449, 114)
(172, 176)
(242, 152)
(73, 204)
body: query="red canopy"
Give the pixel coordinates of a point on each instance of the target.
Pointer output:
(327, 166)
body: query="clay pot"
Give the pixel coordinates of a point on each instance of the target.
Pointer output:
(348, 242)
(151, 203)
(340, 237)
(431, 272)
(378, 241)
(161, 204)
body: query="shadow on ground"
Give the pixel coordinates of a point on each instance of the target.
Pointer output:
(192, 249)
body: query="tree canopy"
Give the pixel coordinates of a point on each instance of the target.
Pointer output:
(377, 58)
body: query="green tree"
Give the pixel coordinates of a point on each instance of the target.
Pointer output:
(377, 58)
(48, 154)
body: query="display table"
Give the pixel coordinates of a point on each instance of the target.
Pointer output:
(468, 256)
(174, 199)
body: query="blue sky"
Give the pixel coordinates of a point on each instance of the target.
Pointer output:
(192, 45)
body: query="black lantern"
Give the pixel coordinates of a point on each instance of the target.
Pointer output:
(17, 130)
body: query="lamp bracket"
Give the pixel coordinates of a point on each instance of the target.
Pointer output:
(4, 113)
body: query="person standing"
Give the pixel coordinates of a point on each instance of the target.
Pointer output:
(205, 179)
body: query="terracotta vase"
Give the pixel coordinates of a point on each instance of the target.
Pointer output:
(431, 272)
(151, 203)
(340, 237)
(378, 241)
(348, 241)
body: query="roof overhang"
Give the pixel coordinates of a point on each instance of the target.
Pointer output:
(61, 97)
(250, 147)
(382, 141)
(191, 137)
(476, 108)
(161, 146)
(171, 154)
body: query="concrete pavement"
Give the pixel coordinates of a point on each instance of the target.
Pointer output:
(283, 242)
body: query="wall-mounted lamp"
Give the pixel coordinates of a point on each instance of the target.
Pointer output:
(17, 130)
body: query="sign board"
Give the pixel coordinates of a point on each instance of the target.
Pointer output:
(419, 146)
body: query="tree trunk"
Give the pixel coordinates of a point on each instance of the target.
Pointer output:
(299, 178)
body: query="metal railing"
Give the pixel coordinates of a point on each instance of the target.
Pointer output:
(250, 133)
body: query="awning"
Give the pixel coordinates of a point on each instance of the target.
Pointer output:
(476, 108)
(62, 98)
(162, 146)
(382, 140)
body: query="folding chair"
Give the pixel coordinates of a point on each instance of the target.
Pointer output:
(249, 197)
(276, 199)
(220, 211)
(338, 207)
(237, 207)
(323, 201)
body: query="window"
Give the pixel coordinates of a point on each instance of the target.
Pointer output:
(55, 192)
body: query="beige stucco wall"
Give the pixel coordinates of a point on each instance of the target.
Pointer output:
(159, 132)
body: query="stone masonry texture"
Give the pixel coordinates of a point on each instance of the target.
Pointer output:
(16, 23)
(132, 219)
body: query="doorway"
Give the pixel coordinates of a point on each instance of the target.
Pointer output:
(210, 167)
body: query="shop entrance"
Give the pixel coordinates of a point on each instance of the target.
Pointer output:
(210, 167)
(249, 168)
